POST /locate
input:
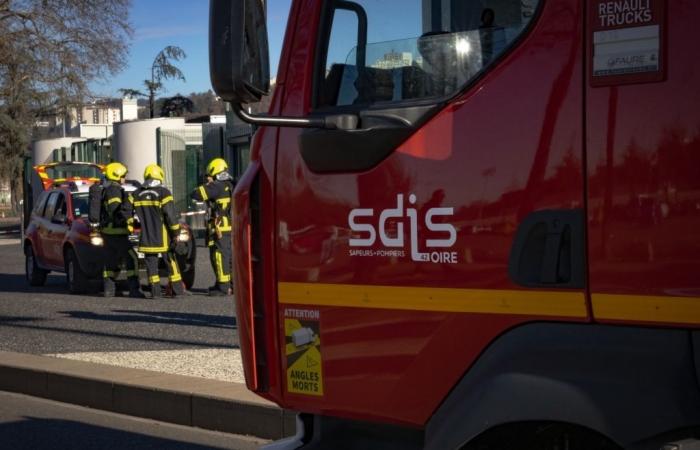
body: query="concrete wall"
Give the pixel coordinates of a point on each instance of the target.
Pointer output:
(42, 151)
(95, 131)
(135, 142)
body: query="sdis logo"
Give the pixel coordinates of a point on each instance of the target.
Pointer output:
(358, 224)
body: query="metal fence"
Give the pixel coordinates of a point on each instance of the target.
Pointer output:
(97, 151)
(179, 154)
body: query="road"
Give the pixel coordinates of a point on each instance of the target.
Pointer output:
(38, 424)
(48, 320)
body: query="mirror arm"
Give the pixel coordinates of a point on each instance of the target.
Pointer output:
(332, 122)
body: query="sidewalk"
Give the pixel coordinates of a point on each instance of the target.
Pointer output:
(192, 401)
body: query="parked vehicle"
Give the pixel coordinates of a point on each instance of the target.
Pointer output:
(59, 238)
(471, 224)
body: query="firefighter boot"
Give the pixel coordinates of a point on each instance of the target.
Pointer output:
(109, 288)
(134, 288)
(156, 291)
(220, 290)
(178, 288)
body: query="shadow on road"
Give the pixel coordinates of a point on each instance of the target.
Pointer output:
(50, 434)
(13, 282)
(159, 317)
(10, 319)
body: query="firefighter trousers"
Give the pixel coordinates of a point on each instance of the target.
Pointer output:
(152, 267)
(118, 252)
(220, 256)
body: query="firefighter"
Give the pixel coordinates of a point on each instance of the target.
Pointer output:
(153, 204)
(217, 195)
(114, 225)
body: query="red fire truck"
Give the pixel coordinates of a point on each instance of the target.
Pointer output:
(471, 224)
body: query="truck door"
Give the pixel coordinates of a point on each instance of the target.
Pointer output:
(395, 240)
(643, 162)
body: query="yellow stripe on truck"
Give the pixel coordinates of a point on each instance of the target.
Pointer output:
(646, 308)
(530, 302)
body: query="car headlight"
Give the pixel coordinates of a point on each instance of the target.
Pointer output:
(97, 240)
(184, 236)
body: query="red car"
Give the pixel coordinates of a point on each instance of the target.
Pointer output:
(58, 236)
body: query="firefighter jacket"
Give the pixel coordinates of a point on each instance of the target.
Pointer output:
(217, 195)
(115, 210)
(153, 205)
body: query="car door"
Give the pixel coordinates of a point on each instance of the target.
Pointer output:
(394, 240)
(43, 245)
(59, 228)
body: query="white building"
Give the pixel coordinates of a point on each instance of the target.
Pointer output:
(92, 120)
(394, 60)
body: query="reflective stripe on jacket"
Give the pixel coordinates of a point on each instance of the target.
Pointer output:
(217, 195)
(155, 210)
(114, 211)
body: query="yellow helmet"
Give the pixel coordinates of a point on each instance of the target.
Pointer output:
(115, 171)
(153, 172)
(216, 166)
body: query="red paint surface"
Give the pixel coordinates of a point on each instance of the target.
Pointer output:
(511, 144)
(644, 175)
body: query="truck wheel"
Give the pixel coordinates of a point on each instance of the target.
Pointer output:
(77, 281)
(541, 436)
(36, 276)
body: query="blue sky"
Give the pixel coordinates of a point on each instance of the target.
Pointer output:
(184, 23)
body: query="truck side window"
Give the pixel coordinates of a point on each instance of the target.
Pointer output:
(415, 49)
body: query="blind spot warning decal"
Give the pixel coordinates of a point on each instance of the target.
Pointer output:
(302, 333)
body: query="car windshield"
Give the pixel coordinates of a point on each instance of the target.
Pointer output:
(80, 204)
(73, 171)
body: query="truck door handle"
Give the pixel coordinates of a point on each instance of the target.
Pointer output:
(548, 250)
(552, 251)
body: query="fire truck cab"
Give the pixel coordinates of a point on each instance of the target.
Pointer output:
(471, 224)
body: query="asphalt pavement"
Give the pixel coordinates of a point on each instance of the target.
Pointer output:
(38, 424)
(48, 320)
(171, 359)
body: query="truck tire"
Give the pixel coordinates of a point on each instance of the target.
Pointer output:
(77, 281)
(36, 276)
(541, 436)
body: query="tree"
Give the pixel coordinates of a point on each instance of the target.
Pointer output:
(131, 93)
(176, 106)
(163, 69)
(50, 50)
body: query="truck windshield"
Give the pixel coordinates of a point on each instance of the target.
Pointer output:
(415, 48)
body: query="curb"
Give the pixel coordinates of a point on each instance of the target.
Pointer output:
(197, 402)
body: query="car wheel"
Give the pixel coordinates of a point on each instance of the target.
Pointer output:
(188, 277)
(78, 282)
(36, 276)
(188, 261)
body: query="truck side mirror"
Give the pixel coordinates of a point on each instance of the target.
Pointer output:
(239, 64)
(238, 53)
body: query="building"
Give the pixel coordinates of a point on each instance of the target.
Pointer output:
(394, 60)
(92, 120)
